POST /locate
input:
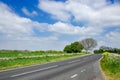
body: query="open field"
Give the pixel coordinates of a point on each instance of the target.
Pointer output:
(16, 53)
(111, 66)
(31, 58)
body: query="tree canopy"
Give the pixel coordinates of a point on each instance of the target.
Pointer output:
(74, 47)
(88, 43)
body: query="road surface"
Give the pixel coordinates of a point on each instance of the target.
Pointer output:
(81, 68)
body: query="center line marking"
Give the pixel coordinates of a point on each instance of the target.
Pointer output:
(83, 70)
(34, 71)
(74, 61)
(73, 75)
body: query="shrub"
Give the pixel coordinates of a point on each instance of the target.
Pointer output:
(106, 54)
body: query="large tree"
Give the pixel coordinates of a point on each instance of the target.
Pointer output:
(88, 44)
(68, 49)
(75, 47)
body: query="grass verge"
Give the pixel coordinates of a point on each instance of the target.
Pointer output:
(16, 63)
(111, 66)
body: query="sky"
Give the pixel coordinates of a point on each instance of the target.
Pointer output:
(52, 24)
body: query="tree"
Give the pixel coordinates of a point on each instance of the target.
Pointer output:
(89, 44)
(68, 49)
(73, 47)
(76, 47)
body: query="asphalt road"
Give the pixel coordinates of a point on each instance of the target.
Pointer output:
(82, 68)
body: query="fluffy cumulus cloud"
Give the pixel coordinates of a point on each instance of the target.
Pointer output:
(113, 38)
(14, 26)
(64, 28)
(26, 12)
(104, 16)
(94, 12)
(56, 9)
(10, 23)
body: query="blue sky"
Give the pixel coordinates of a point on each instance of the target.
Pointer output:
(52, 24)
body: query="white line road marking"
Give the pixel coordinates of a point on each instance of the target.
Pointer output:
(34, 71)
(74, 61)
(83, 70)
(73, 75)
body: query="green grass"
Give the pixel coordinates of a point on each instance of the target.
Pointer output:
(16, 53)
(20, 62)
(111, 66)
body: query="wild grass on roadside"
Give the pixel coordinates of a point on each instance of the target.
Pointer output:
(111, 66)
(20, 53)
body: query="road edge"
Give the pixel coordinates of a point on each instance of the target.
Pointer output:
(102, 73)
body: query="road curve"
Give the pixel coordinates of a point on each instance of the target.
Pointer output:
(81, 68)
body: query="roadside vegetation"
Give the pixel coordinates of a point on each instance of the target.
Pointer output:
(41, 57)
(110, 65)
(22, 53)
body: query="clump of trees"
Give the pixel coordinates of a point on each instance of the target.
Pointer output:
(98, 51)
(107, 49)
(76, 47)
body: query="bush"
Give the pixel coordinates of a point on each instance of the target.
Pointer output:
(106, 54)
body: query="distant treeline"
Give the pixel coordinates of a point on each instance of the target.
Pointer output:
(27, 51)
(107, 49)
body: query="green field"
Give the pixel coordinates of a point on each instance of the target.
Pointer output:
(111, 66)
(20, 61)
(16, 53)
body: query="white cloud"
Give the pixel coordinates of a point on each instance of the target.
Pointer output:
(64, 28)
(93, 3)
(105, 15)
(26, 12)
(14, 25)
(111, 39)
(10, 22)
(89, 12)
(109, 16)
(82, 13)
(57, 9)
(113, 36)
